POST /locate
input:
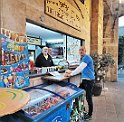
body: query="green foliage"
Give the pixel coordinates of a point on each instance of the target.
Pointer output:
(101, 65)
(77, 109)
(121, 50)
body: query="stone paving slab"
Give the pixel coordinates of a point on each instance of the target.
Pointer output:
(109, 107)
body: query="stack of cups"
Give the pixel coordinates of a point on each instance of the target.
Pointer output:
(44, 70)
(51, 69)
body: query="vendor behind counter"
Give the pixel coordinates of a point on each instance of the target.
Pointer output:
(44, 59)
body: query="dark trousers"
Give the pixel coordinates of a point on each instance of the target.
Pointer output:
(87, 85)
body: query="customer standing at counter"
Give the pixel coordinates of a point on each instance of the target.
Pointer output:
(87, 69)
(44, 59)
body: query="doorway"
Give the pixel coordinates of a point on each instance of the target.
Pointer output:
(121, 48)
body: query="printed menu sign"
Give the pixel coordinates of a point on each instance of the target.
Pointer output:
(64, 12)
(14, 71)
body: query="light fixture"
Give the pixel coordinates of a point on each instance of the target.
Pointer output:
(121, 1)
(55, 41)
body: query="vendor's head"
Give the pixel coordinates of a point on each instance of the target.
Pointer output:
(45, 50)
(50, 51)
(82, 50)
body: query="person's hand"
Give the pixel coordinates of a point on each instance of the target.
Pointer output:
(67, 73)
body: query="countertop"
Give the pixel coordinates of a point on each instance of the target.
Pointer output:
(55, 78)
(58, 78)
(44, 74)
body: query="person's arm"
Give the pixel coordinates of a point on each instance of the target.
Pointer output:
(79, 69)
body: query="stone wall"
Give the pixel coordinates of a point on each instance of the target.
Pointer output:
(16, 12)
(97, 26)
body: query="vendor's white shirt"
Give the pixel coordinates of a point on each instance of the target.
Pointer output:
(79, 69)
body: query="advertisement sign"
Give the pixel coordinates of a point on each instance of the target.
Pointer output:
(14, 71)
(64, 12)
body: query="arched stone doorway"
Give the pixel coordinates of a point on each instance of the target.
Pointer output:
(121, 48)
(113, 9)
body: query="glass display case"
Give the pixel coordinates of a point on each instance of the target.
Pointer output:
(50, 102)
(40, 101)
(64, 91)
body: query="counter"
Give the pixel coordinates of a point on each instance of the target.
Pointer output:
(44, 74)
(37, 79)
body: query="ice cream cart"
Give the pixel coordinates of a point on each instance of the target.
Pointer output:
(50, 102)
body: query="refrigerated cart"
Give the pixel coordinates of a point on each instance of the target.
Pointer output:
(50, 102)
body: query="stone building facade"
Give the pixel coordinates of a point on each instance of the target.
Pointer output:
(15, 13)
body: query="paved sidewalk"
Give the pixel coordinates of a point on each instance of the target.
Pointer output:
(109, 107)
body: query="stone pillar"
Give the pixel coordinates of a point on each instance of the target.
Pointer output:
(110, 40)
(97, 26)
(13, 15)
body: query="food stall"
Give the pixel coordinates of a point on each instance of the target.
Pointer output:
(51, 100)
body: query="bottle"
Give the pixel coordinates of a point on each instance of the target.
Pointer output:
(6, 81)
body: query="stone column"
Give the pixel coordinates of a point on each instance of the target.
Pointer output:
(110, 40)
(97, 26)
(13, 15)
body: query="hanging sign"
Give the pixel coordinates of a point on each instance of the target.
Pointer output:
(64, 12)
(34, 41)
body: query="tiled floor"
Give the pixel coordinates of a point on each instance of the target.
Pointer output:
(109, 107)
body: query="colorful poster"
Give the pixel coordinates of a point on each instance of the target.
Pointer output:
(73, 49)
(14, 71)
